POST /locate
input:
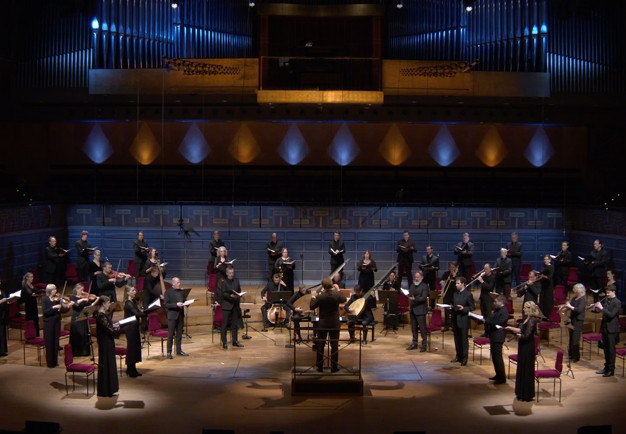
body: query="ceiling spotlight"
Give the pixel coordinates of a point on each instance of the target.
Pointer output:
(174, 5)
(468, 5)
(251, 3)
(399, 5)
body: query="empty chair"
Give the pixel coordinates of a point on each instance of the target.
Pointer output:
(480, 343)
(16, 321)
(559, 294)
(210, 290)
(551, 374)
(77, 368)
(71, 274)
(154, 330)
(436, 324)
(572, 276)
(31, 340)
(590, 338)
(121, 353)
(554, 322)
(620, 353)
(523, 274)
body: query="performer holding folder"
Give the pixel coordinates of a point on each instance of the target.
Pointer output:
(174, 302)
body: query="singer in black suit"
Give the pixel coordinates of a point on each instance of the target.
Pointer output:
(597, 267)
(494, 326)
(174, 302)
(463, 304)
(405, 250)
(328, 302)
(514, 252)
(504, 276)
(140, 249)
(231, 307)
(464, 252)
(610, 307)
(83, 250)
(274, 251)
(54, 270)
(564, 260)
(214, 245)
(336, 249)
(418, 297)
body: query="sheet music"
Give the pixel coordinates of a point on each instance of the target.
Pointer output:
(405, 291)
(155, 303)
(127, 320)
(581, 258)
(498, 326)
(444, 306)
(476, 316)
(16, 294)
(553, 256)
(188, 302)
(163, 264)
(240, 294)
(230, 262)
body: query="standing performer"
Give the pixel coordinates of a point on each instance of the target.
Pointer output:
(274, 251)
(4, 321)
(418, 296)
(367, 268)
(462, 305)
(525, 376)
(79, 330)
(367, 317)
(610, 307)
(220, 265)
(546, 300)
(174, 301)
(577, 308)
(95, 266)
(448, 283)
(83, 250)
(298, 313)
(430, 266)
(405, 250)
(52, 308)
(564, 260)
(106, 332)
(285, 266)
(152, 270)
(531, 289)
(504, 276)
(133, 338)
(494, 325)
(464, 252)
(596, 262)
(140, 247)
(214, 245)
(514, 251)
(107, 282)
(336, 249)
(54, 270)
(231, 307)
(30, 300)
(328, 302)
(487, 283)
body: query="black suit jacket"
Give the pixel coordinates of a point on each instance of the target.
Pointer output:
(498, 317)
(420, 292)
(336, 259)
(532, 294)
(328, 303)
(461, 317)
(610, 315)
(405, 251)
(505, 267)
(228, 287)
(465, 258)
(598, 263)
(172, 297)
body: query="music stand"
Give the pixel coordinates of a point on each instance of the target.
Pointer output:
(186, 292)
(85, 314)
(390, 303)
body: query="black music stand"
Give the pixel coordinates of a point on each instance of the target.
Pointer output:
(390, 308)
(186, 292)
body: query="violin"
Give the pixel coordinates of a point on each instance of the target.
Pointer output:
(119, 275)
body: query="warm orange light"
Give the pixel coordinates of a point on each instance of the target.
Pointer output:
(145, 148)
(244, 147)
(492, 149)
(393, 147)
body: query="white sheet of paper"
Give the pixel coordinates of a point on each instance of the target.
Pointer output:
(128, 320)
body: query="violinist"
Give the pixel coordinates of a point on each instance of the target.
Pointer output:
(140, 249)
(30, 300)
(270, 315)
(54, 270)
(53, 306)
(286, 265)
(4, 320)
(108, 280)
(367, 268)
(576, 307)
(447, 292)
(83, 250)
(79, 330)
(504, 276)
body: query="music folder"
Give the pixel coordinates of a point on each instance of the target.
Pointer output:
(188, 302)
(128, 320)
(444, 306)
(476, 316)
(405, 291)
(154, 305)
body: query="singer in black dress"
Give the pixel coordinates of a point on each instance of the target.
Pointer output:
(525, 377)
(133, 338)
(366, 267)
(29, 300)
(106, 332)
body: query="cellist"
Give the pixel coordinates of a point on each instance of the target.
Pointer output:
(273, 313)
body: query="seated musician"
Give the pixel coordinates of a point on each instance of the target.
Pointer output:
(367, 317)
(267, 311)
(298, 312)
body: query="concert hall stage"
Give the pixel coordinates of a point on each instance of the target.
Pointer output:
(249, 389)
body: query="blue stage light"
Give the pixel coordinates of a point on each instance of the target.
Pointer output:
(294, 148)
(443, 148)
(343, 149)
(95, 24)
(97, 146)
(194, 146)
(539, 150)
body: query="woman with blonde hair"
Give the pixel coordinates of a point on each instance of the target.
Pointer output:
(525, 377)
(576, 307)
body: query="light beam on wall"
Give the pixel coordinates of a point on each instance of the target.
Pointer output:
(194, 146)
(244, 147)
(145, 148)
(343, 149)
(492, 149)
(294, 148)
(443, 148)
(97, 146)
(393, 147)
(539, 150)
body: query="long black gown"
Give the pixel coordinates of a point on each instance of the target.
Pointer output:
(525, 378)
(107, 368)
(133, 338)
(79, 330)
(30, 305)
(366, 274)
(51, 330)
(4, 320)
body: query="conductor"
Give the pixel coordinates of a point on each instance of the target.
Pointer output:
(328, 302)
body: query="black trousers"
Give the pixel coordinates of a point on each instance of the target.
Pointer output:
(418, 321)
(175, 326)
(460, 342)
(51, 332)
(574, 341)
(498, 362)
(235, 318)
(609, 339)
(334, 348)
(404, 269)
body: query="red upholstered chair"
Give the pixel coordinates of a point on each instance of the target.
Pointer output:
(551, 374)
(132, 268)
(513, 357)
(436, 324)
(559, 294)
(572, 276)
(554, 322)
(77, 368)
(16, 321)
(121, 353)
(154, 330)
(64, 334)
(403, 305)
(620, 353)
(210, 290)
(31, 340)
(71, 274)
(40, 286)
(480, 343)
(523, 274)
(140, 283)
(590, 338)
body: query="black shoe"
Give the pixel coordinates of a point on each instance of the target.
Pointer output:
(464, 362)
(499, 382)
(182, 353)
(320, 369)
(334, 369)
(423, 350)
(608, 374)
(446, 328)
(412, 347)
(225, 346)
(493, 378)
(574, 360)
(137, 373)
(601, 372)
(237, 344)
(131, 374)
(364, 341)
(169, 356)
(455, 360)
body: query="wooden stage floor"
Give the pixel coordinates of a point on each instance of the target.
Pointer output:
(249, 390)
